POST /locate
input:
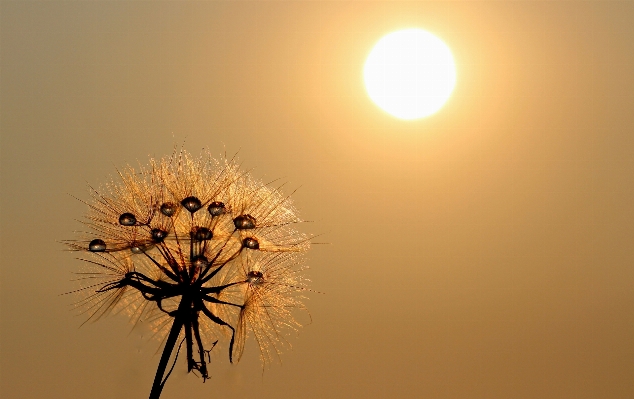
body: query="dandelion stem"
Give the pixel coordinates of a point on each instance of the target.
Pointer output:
(157, 386)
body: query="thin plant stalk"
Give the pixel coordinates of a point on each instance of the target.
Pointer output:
(177, 325)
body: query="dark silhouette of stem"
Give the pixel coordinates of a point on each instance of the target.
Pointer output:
(159, 382)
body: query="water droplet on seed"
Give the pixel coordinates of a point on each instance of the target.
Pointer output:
(127, 219)
(168, 209)
(140, 248)
(254, 277)
(158, 235)
(97, 245)
(200, 262)
(192, 204)
(244, 222)
(201, 233)
(251, 243)
(216, 208)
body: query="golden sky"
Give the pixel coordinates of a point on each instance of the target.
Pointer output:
(486, 251)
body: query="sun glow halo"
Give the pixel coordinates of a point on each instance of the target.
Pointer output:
(410, 73)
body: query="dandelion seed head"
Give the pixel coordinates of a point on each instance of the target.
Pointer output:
(200, 242)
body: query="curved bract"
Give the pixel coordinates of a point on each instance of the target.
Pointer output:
(197, 244)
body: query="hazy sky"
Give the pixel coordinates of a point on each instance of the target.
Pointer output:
(486, 251)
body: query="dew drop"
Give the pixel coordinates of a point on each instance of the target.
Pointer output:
(201, 233)
(192, 204)
(140, 248)
(254, 277)
(127, 219)
(199, 262)
(216, 208)
(97, 245)
(158, 235)
(168, 208)
(244, 222)
(251, 243)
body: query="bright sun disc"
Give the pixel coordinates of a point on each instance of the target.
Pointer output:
(410, 73)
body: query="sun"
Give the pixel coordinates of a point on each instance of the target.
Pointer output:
(410, 73)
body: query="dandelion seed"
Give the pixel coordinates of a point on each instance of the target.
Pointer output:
(201, 278)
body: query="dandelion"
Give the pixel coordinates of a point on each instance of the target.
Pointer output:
(201, 251)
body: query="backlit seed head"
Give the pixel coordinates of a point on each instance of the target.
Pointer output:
(205, 268)
(127, 219)
(192, 204)
(97, 245)
(244, 222)
(216, 208)
(251, 243)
